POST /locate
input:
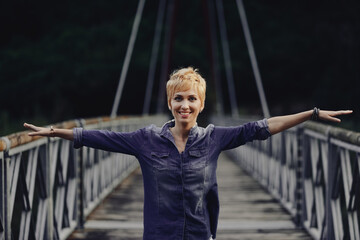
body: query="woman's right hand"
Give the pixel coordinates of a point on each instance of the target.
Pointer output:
(50, 132)
(39, 131)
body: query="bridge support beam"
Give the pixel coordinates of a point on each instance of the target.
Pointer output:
(171, 16)
(80, 182)
(253, 60)
(328, 231)
(299, 178)
(154, 57)
(46, 180)
(127, 58)
(5, 231)
(5, 193)
(227, 59)
(314, 171)
(209, 12)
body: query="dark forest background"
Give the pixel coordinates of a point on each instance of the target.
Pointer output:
(62, 60)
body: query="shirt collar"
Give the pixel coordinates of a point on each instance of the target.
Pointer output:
(165, 131)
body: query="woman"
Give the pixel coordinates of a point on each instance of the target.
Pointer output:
(179, 160)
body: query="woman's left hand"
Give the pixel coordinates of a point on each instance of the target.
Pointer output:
(278, 124)
(331, 115)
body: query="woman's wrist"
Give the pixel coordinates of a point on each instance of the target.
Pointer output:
(315, 114)
(52, 131)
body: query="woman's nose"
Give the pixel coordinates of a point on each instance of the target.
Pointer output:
(185, 105)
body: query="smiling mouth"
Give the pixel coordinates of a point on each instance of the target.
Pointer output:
(184, 114)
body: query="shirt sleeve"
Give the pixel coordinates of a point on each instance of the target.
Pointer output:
(232, 137)
(122, 142)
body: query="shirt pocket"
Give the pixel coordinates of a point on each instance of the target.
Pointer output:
(197, 158)
(160, 160)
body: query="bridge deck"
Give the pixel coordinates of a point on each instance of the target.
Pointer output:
(247, 211)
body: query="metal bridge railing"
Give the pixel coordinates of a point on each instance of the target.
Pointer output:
(47, 188)
(314, 172)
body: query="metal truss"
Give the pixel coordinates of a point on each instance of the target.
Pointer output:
(48, 188)
(314, 172)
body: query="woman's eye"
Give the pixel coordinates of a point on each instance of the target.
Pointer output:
(192, 98)
(177, 98)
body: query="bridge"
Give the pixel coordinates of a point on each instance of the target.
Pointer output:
(303, 183)
(311, 172)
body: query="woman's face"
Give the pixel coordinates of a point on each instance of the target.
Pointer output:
(185, 106)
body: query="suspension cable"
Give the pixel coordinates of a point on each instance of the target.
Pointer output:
(154, 55)
(169, 32)
(211, 26)
(127, 57)
(227, 58)
(253, 60)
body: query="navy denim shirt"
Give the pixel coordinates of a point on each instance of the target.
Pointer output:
(181, 195)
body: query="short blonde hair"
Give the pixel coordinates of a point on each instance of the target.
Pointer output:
(184, 79)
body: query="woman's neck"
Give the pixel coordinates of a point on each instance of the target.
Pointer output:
(182, 130)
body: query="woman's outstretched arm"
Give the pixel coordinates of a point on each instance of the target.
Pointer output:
(50, 132)
(281, 123)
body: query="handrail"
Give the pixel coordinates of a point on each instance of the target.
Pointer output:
(48, 188)
(335, 132)
(20, 138)
(314, 172)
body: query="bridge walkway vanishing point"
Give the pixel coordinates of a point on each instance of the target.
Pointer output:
(247, 211)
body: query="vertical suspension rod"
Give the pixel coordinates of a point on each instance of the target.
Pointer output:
(169, 36)
(154, 55)
(213, 50)
(127, 57)
(227, 58)
(253, 60)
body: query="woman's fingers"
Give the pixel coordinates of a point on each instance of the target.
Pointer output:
(345, 112)
(29, 126)
(331, 115)
(37, 131)
(338, 113)
(334, 119)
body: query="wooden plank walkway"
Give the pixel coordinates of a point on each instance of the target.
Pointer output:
(246, 211)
